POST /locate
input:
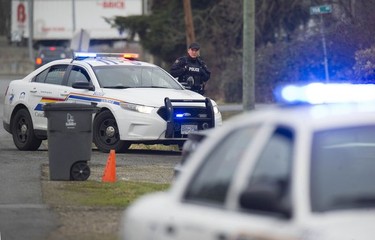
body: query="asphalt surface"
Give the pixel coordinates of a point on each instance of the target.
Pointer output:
(23, 215)
(22, 212)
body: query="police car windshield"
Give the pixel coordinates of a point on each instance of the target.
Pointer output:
(134, 77)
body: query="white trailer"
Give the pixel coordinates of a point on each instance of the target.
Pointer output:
(63, 19)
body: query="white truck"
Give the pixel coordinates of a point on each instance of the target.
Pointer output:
(63, 19)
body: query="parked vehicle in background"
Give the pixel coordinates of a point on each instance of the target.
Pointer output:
(52, 53)
(299, 171)
(59, 21)
(139, 102)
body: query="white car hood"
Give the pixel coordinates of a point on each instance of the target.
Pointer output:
(150, 96)
(345, 225)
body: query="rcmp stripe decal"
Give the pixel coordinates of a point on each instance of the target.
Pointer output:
(77, 98)
(43, 101)
(48, 100)
(83, 98)
(90, 98)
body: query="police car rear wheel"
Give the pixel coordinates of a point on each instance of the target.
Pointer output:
(106, 134)
(23, 132)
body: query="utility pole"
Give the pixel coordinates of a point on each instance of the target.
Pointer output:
(190, 35)
(31, 29)
(324, 49)
(320, 10)
(73, 17)
(248, 55)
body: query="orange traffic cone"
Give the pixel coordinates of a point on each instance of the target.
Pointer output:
(109, 174)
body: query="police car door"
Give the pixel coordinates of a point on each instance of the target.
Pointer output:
(203, 207)
(210, 206)
(78, 85)
(45, 88)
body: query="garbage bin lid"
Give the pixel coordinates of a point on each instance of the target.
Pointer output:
(68, 106)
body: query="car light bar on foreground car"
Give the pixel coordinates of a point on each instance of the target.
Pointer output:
(318, 93)
(83, 55)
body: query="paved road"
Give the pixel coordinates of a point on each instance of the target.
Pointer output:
(23, 215)
(22, 212)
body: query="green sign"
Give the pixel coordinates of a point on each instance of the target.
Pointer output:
(322, 9)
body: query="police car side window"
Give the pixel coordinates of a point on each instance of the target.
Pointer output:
(78, 74)
(211, 183)
(56, 74)
(272, 171)
(41, 76)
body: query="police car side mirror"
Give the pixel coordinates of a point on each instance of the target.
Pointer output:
(83, 85)
(265, 199)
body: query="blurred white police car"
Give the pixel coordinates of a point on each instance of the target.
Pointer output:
(190, 145)
(292, 172)
(140, 102)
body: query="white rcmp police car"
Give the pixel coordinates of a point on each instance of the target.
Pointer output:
(139, 102)
(303, 172)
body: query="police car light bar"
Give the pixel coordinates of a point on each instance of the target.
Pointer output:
(131, 55)
(318, 93)
(83, 55)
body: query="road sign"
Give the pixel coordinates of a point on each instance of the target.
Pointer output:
(322, 9)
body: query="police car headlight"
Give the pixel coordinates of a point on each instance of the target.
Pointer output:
(136, 107)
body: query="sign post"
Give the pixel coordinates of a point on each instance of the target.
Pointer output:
(320, 10)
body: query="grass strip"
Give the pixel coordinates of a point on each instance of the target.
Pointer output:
(100, 194)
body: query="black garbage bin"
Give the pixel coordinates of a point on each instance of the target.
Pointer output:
(69, 135)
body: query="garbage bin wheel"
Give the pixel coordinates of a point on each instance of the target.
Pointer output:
(80, 171)
(106, 133)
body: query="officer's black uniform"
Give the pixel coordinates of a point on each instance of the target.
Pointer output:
(191, 72)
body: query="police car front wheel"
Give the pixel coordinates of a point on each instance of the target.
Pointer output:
(106, 133)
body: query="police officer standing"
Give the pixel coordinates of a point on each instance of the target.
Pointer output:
(190, 70)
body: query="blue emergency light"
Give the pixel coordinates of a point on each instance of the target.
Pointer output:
(318, 93)
(83, 55)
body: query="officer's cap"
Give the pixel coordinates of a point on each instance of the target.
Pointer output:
(195, 46)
